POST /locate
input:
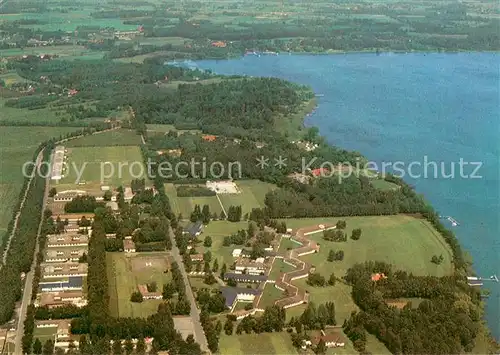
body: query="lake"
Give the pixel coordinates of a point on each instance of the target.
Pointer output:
(437, 111)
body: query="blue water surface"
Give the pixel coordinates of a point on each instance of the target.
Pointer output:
(411, 107)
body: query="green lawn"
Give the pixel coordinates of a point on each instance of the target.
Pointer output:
(218, 230)
(252, 195)
(44, 334)
(278, 268)
(118, 137)
(185, 205)
(115, 166)
(124, 276)
(265, 343)
(270, 295)
(17, 145)
(404, 241)
(287, 244)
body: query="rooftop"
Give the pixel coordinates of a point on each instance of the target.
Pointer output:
(231, 293)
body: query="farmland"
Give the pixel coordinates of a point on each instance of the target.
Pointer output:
(126, 272)
(116, 165)
(17, 145)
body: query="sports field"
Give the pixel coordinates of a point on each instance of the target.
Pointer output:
(115, 166)
(117, 137)
(404, 241)
(17, 145)
(252, 195)
(264, 343)
(126, 272)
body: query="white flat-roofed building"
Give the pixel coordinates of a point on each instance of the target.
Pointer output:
(57, 163)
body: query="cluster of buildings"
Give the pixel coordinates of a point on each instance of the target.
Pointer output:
(63, 274)
(258, 271)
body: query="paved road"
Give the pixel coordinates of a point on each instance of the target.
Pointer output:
(28, 281)
(199, 334)
(18, 213)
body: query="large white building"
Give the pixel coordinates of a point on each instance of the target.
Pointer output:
(57, 163)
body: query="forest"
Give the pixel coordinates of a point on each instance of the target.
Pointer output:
(445, 322)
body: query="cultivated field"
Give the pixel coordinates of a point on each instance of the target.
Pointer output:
(117, 137)
(126, 272)
(17, 145)
(115, 166)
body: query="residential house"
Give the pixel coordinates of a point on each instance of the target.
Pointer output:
(67, 240)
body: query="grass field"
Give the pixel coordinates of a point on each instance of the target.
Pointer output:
(126, 272)
(279, 267)
(121, 137)
(264, 343)
(217, 230)
(185, 205)
(404, 241)
(270, 295)
(115, 166)
(252, 195)
(44, 334)
(164, 128)
(17, 145)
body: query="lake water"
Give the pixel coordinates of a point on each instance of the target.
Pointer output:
(413, 108)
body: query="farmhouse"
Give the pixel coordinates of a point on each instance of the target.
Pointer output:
(245, 277)
(58, 299)
(67, 269)
(63, 254)
(143, 289)
(234, 295)
(128, 246)
(67, 240)
(73, 283)
(194, 229)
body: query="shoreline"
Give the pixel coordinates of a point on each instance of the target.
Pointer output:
(485, 333)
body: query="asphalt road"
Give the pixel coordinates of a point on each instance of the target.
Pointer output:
(199, 334)
(28, 281)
